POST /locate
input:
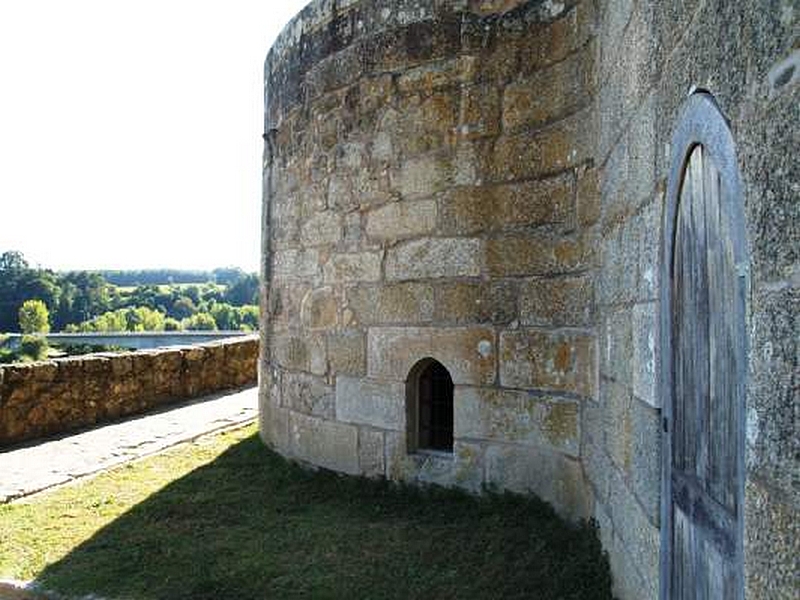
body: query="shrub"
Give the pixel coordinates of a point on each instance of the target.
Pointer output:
(171, 324)
(33, 347)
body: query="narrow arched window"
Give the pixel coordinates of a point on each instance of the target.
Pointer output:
(430, 407)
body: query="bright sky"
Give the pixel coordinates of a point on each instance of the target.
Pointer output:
(130, 132)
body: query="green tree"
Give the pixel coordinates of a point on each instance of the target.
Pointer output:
(33, 317)
(13, 261)
(200, 322)
(226, 316)
(111, 321)
(183, 308)
(248, 317)
(142, 318)
(243, 291)
(19, 282)
(84, 295)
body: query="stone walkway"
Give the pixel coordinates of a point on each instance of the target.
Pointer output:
(35, 467)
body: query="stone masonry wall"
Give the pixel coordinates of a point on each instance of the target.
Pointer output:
(484, 183)
(428, 196)
(45, 398)
(650, 55)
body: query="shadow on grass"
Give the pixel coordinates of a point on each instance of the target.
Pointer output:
(252, 525)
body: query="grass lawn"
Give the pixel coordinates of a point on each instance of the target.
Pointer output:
(226, 518)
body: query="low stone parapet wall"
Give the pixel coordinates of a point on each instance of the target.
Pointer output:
(48, 397)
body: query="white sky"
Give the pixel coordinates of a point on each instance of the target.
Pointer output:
(130, 131)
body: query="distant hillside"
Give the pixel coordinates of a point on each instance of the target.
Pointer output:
(223, 276)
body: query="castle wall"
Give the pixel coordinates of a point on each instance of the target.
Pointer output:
(483, 183)
(649, 56)
(50, 397)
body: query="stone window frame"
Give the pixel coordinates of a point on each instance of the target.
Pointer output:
(412, 408)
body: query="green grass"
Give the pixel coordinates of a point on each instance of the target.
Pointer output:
(226, 518)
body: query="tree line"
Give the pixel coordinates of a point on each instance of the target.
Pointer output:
(130, 278)
(87, 301)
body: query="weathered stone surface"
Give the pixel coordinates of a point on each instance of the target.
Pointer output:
(415, 39)
(284, 303)
(628, 582)
(645, 339)
(425, 124)
(327, 444)
(772, 531)
(371, 459)
(295, 264)
(469, 465)
(319, 309)
(274, 427)
(558, 38)
(616, 278)
(463, 469)
(550, 94)
(358, 266)
(307, 394)
(628, 179)
(341, 192)
(518, 255)
(426, 79)
(434, 258)
(557, 302)
(399, 463)
(617, 424)
(371, 402)
(375, 92)
(400, 220)
(300, 352)
(773, 439)
(467, 210)
(480, 111)
(393, 303)
(467, 303)
(645, 469)
(640, 539)
(550, 151)
(347, 352)
(421, 177)
(322, 229)
(616, 346)
(587, 197)
(559, 361)
(520, 417)
(489, 7)
(546, 473)
(468, 353)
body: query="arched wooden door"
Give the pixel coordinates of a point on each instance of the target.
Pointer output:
(704, 279)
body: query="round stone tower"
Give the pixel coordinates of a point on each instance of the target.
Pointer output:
(429, 198)
(467, 274)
